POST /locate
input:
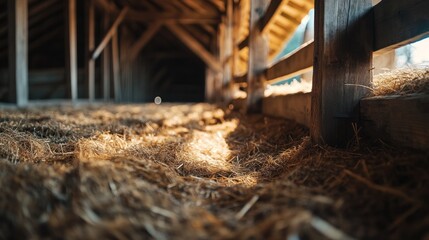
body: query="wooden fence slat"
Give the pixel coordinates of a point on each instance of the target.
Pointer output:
(399, 22)
(295, 63)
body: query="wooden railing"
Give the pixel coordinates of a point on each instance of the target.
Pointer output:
(341, 53)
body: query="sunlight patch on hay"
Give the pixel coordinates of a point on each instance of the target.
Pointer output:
(401, 81)
(207, 152)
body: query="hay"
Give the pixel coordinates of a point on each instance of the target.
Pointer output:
(401, 81)
(197, 172)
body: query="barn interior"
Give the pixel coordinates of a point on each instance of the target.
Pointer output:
(201, 119)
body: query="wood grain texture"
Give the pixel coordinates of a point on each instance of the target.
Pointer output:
(399, 120)
(295, 107)
(399, 22)
(18, 52)
(343, 56)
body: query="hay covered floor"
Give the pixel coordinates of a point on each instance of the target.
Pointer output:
(198, 172)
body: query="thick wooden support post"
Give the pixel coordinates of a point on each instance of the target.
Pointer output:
(116, 68)
(71, 49)
(228, 53)
(258, 53)
(89, 48)
(343, 55)
(105, 59)
(18, 52)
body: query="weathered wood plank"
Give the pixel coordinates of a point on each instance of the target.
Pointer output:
(258, 54)
(18, 51)
(295, 107)
(399, 22)
(71, 49)
(295, 63)
(110, 33)
(399, 120)
(195, 46)
(343, 56)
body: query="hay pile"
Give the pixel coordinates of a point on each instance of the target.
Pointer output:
(197, 172)
(401, 81)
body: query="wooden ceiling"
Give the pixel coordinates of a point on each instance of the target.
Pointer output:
(279, 29)
(198, 18)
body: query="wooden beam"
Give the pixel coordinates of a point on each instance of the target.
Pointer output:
(258, 54)
(106, 61)
(293, 64)
(189, 17)
(295, 107)
(106, 6)
(343, 58)
(271, 10)
(228, 46)
(143, 40)
(398, 120)
(110, 33)
(195, 46)
(163, 16)
(398, 22)
(241, 78)
(18, 51)
(71, 49)
(210, 85)
(116, 68)
(244, 43)
(89, 48)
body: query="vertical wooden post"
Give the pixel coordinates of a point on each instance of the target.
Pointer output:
(116, 68)
(343, 55)
(219, 78)
(235, 38)
(210, 85)
(71, 49)
(228, 53)
(18, 51)
(258, 53)
(106, 61)
(89, 48)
